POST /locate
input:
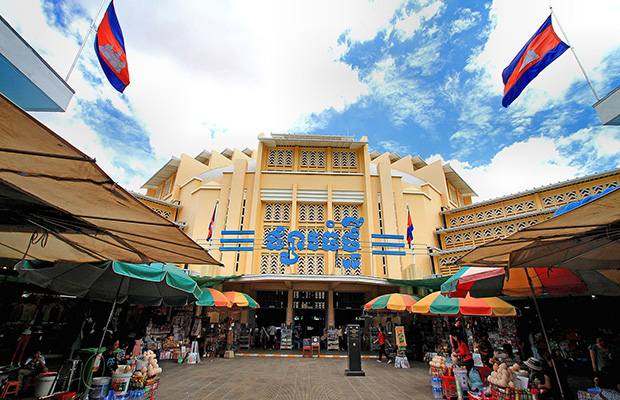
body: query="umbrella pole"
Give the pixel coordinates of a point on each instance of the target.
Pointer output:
(544, 331)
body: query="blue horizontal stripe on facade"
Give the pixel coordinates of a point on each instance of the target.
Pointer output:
(387, 244)
(237, 233)
(236, 240)
(396, 237)
(236, 248)
(388, 253)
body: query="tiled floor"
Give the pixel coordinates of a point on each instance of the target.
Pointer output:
(291, 378)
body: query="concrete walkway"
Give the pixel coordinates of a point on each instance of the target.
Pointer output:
(291, 378)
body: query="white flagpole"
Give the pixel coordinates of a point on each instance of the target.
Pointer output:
(90, 29)
(410, 244)
(574, 53)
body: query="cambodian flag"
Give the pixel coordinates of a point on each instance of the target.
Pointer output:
(409, 229)
(541, 50)
(210, 233)
(110, 50)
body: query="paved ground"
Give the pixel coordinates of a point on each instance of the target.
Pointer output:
(291, 378)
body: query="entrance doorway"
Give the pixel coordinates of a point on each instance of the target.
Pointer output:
(270, 316)
(311, 321)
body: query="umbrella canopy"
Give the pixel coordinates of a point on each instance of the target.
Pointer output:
(436, 304)
(584, 239)
(488, 282)
(238, 299)
(394, 302)
(56, 204)
(213, 298)
(113, 281)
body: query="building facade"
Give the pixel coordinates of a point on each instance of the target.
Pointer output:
(315, 226)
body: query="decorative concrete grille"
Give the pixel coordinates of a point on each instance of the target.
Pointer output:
(478, 234)
(520, 207)
(488, 213)
(158, 193)
(509, 209)
(470, 218)
(498, 212)
(530, 205)
(270, 264)
(466, 235)
(547, 201)
(342, 211)
(452, 221)
(480, 216)
(488, 232)
(267, 229)
(344, 161)
(461, 220)
(448, 239)
(521, 225)
(311, 265)
(585, 192)
(277, 212)
(458, 237)
(511, 228)
(163, 213)
(572, 195)
(498, 230)
(311, 212)
(597, 189)
(167, 187)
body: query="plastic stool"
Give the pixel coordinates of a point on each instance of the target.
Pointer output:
(64, 396)
(307, 351)
(10, 387)
(318, 350)
(29, 382)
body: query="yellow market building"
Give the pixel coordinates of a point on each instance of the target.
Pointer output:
(315, 226)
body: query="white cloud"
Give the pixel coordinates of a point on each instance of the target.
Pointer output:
(469, 18)
(409, 23)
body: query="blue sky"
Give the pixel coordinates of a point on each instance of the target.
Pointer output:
(415, 77)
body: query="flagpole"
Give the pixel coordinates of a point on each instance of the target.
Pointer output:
(575, 54)
(90, 29)
(214, 215)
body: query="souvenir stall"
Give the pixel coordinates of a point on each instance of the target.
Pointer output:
(446, 377)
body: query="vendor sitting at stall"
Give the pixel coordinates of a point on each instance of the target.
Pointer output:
(34, 366)
(109, 362)
(485, 349)
(463, 353)
(540, 378)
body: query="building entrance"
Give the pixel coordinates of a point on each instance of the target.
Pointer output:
(310, 322)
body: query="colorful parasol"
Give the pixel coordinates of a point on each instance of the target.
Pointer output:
(436, 304)
(240, 300)
(489, 281)
(213, 298)
(391, 302)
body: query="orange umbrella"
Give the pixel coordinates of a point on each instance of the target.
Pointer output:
(240, 300)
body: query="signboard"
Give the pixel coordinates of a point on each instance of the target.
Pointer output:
(400, 336)
(330, 241)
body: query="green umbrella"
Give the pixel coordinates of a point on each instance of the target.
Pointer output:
(147, 284)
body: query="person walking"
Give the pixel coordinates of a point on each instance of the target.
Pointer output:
(272, 336)
(381, 339)
(604, 363)
(264, 337)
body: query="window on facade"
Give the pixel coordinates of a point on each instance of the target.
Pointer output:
(167, 187)
(158, 193)
(276, 214)
(280, 160)
(452, 193)
(344, 161)
(312, 160)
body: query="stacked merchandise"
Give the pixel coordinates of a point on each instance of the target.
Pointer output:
(442, 381)
(400, 361)
(332, 339)
(509, 383)
(286, 338)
